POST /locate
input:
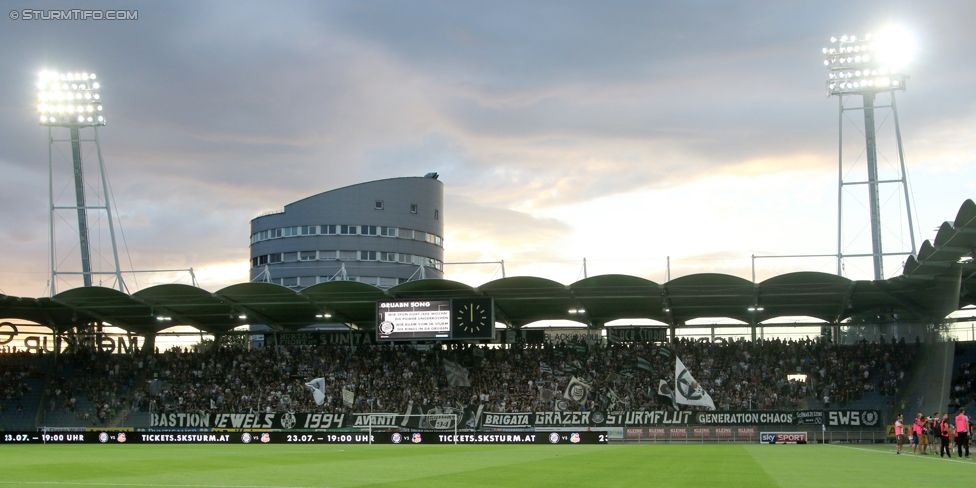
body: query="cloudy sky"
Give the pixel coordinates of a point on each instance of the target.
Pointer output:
(625, 133)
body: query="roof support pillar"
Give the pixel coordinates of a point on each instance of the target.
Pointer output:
(217, 339)
(149, 343)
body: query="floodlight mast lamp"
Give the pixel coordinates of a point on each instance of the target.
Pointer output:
(73, 101)
(864, 67)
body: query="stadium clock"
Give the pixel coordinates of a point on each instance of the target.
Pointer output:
(472, 318)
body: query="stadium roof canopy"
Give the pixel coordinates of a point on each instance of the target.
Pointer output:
(940, 280)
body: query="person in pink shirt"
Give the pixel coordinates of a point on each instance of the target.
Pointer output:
(962, 432)
(916, 433)
(900, 432)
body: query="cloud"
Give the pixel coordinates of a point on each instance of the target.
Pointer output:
(481, 233)
(220, 111)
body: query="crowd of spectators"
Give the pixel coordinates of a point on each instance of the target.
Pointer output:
(961, 393)
(740, 375)
(16, 368)
(106, 380)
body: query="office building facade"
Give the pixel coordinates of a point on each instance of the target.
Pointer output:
(382, 233)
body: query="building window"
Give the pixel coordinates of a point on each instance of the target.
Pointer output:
(274, 258)
(291, 257)
(291, 231)
(405, 233)
(389, 257)
(437, 214)
(367, 230)
(413, 208)
(348, 255)
(329, 229)
(347, 229)
(293, 281)
(307, 256)
(367, 255)
(310, 230)
(388, 231)
(378, 205)
(327, 255)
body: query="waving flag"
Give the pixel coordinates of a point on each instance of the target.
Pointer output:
(318, 390)
(687, 391)
(577, 390)
(665, 395)
(643, 364)
(457, 375)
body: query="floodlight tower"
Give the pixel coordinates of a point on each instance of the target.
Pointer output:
(868, 67)
(73, 101)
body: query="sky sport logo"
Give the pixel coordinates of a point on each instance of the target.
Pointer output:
(74, 14)
(783, 438)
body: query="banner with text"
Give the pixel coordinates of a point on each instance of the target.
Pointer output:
(430, 417)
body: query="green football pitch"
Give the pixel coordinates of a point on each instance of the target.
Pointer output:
(509, 465)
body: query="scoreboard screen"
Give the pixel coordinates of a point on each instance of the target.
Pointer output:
(400, 320)
(457, 319)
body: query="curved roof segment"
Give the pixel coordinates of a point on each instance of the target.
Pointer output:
(940, 280)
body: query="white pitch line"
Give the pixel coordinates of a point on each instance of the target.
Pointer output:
(971, 463)
(81, 483)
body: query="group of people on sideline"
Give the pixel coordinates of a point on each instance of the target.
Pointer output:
(942, 433)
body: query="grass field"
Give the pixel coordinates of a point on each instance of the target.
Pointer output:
(508, 465)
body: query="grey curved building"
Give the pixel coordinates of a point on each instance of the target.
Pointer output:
(381, 233)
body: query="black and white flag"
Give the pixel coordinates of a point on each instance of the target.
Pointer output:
(318, 390)
(687, 391)
(457, 375)
(576, 390)
(612, 399)
(348, 397)
(665, 395)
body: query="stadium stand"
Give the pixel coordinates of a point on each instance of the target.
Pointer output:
(98, 389)
(962, 392)
(21, 384)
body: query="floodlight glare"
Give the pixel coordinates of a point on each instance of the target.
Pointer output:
(80, 89)
(895, 46)
(891, 49)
